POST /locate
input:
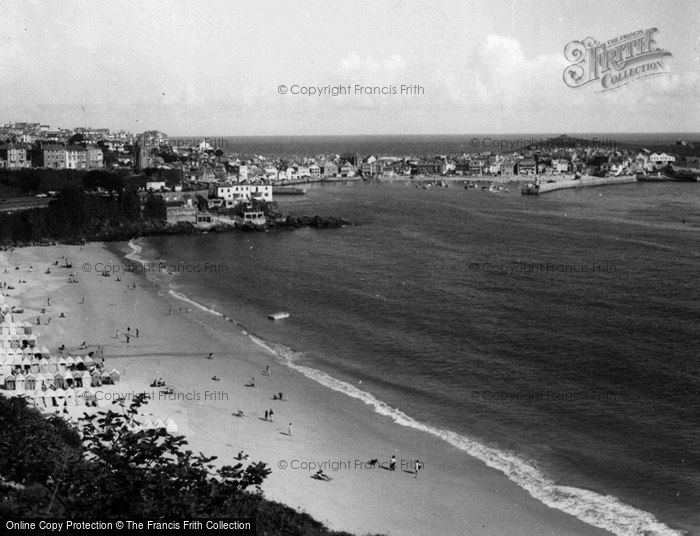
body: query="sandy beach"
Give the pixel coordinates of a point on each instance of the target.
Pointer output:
(453, 493)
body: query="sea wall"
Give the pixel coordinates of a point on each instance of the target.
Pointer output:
(577, 183)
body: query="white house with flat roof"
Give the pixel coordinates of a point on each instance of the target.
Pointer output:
(244, 192)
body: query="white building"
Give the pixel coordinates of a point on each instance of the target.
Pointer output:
(662, 159)
(236, 193)
(156, 186)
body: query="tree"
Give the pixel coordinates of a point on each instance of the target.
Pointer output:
(118, 471)
(154, 208)
(76, 139)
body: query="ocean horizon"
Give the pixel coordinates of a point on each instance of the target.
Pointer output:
(413, 144)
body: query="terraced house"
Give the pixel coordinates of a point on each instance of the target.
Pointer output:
(49, 156)
(13, 156)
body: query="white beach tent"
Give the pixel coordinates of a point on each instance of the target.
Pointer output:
(170, 426)
(158, 424)
(59, 395)
(41, 381)
(19, 382)
(39, 399)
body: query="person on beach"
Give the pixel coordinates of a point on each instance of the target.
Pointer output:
(280, 396)
(266, 413)
(392, 463)
(117, 334)
(211, 355)
(170, 312)
(418, 466)
(48, 302)
(320, 475)
(137, 333)
(272, 413)
(290, 429)
(267, 369)
(128, 338)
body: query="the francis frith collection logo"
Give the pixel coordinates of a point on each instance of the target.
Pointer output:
(615, 63)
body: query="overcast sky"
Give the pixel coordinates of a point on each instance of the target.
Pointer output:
(213, 68)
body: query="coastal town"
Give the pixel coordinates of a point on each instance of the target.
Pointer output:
(211, 160)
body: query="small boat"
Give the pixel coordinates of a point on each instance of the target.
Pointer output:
(278, 316)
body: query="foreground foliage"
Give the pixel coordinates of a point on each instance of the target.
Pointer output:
(112, 470)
